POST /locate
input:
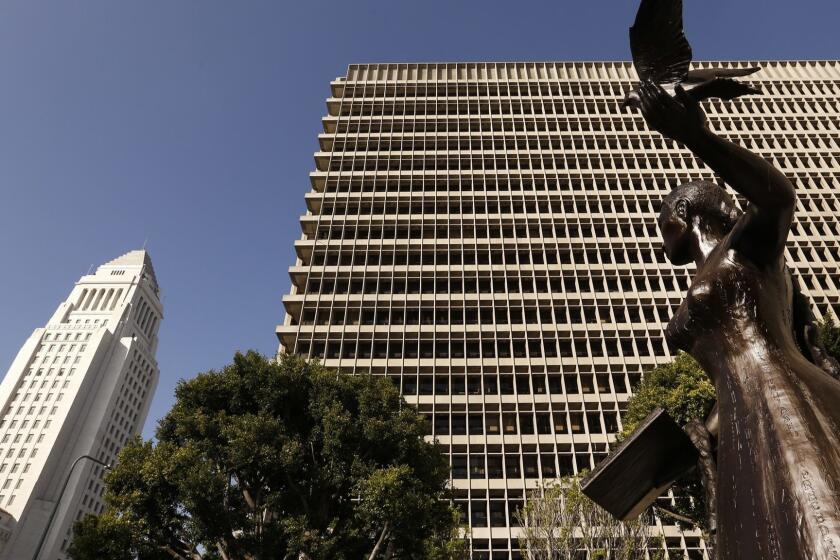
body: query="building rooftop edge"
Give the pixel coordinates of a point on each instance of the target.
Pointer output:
(602, 61)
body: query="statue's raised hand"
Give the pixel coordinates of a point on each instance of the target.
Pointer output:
(679, 118)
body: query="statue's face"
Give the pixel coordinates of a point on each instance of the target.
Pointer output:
(676, 233)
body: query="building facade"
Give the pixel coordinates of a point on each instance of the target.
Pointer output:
(485, 235)
(80, 385)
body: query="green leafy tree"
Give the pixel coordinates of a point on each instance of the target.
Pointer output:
(830, 335)
(111, 537)
(686, 393)
(681, 387)
(272, 460)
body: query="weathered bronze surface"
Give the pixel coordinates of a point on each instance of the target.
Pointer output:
(778, 456)
(661, 54)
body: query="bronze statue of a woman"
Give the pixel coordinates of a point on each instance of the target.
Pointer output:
(778, 471)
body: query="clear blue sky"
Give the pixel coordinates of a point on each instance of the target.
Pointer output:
(192, 124)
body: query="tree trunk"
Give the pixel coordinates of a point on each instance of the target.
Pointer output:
(222, 552)
(382, 536)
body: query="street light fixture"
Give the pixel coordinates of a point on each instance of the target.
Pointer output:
(61, 495)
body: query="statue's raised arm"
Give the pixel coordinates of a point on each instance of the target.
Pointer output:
(762, 231)
(778, 456)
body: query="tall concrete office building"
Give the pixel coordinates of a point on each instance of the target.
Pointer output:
(80, 385)
(485, 236)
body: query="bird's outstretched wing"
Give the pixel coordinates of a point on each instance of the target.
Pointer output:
(661, 52)
(722, 88)
(704, 74)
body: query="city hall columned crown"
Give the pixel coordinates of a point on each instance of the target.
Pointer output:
(484, 235)
(80, 385)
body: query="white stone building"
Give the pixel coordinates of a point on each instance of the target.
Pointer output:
(81, 385)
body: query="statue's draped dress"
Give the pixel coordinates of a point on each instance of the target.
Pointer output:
(779, 441)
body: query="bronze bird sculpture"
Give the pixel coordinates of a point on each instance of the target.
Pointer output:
(662, 55)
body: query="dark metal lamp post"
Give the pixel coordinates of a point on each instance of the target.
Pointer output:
(58, 501)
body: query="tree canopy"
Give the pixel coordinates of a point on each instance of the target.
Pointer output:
(681, 387)
(686, 393)
(278, 460)
(830, 335)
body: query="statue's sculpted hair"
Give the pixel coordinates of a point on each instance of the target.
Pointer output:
(704, 197)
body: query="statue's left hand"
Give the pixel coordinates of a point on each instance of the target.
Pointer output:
(681, 118)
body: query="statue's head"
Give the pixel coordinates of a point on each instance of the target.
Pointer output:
(699, 205)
